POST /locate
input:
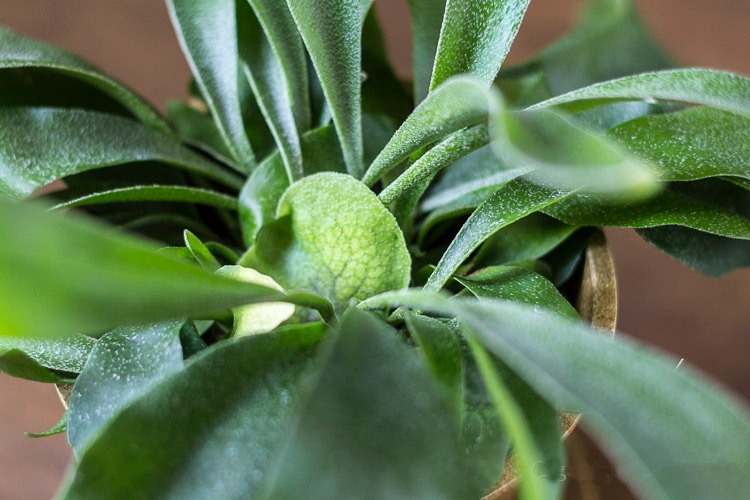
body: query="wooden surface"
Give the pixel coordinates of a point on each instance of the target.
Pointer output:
(698, 318)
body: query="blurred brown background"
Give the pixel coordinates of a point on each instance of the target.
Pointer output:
(704, 320)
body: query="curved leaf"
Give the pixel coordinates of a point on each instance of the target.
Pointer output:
(281, 31)
(475, 37)
(333, 236)
(60, 427)
(693, 144)
(200, 252)
(154, 193)
(426, 22)
(40, 359)
(332, 32)
(682, 437)
(445, 153)
(229, 410)
(17, 51)
(265, 75)
(96, 279)
(519, 285)
(510, 203)
(124, 364)
(666, 209)
(198, 129)
(718, 89)
(207, 32)
(40, 145)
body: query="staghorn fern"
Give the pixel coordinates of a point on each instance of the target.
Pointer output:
(302, 286)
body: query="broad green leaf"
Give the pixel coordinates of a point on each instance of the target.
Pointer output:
(265, 74)
(441, 349)
(447, 152)
(60, 427)
(278, 24)
(124, 364)
(707, 253)
(475, 37)
(44, 360)
(207, 32)
(526, 450)
(718, 89)
(666, 209)
(199, 130)
(692, 144)
(609, 41)
(202, 255)
(96, 279)
(333, 236)
(520, 285)
(154, 193)
(375, 408)
(426, 22)
(254, 319)
(332, 32)
(458, 103)
(260, 196)
(229, 410)
(527, 239)
(40, 145)
(190, 339)
(682, 437)
(17, 52)
(516, 200)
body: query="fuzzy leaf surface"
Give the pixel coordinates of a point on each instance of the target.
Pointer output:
(40, 359)
(426, 22)
(40, 145)
(183, 194)
(124, 364)
(207, 32)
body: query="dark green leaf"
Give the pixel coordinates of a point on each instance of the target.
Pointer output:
(265, 74)
(154, 193)
(207, 31)
(58, 428)
(230, 411)
(426, 22)
(124, 364)
(375, 408)
(95, 279)
(17, 51)
(332, 31)
(198, 129)
(519, 285)
(333, 236)
(475, 37)
(190, 339)
(509, 204)
(40, 145)
(682, 437)
(42, 360)
(691, 144)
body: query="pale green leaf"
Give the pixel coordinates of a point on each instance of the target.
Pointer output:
(200, 252)
(207, 32)
(475, 37)
(96, 279)
(60, 427)
(334, 237)
(124, 364)
(40, 145)
(514, 201)
(279, 27)
(332, 32)
(265, 74)
(18, 52)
